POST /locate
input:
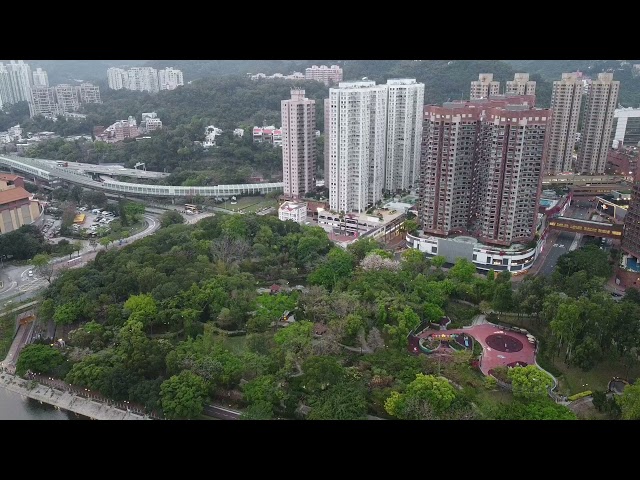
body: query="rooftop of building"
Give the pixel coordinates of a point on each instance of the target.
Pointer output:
(387, 212)
(514, 247)
(402, 81)
(357, 84)
(13, 195)
(606, 199)
(8, 177)
(291, 205)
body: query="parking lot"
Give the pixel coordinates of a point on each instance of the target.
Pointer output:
(50, 226)
(94, 220)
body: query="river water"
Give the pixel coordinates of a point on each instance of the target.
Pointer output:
(14, 407)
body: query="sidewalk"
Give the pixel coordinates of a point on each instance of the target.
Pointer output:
(613, 287)
(5, 281)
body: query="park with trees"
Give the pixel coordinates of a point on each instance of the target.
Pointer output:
(176, 320)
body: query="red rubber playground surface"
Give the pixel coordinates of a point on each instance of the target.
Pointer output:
(499, 347)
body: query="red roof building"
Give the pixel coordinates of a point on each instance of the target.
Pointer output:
(16, 207)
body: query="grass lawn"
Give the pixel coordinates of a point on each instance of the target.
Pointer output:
(243, 202)
(574, 380)
(249, 204)
(265, 203)
(7, 327)
(494, 396)
(460, 314)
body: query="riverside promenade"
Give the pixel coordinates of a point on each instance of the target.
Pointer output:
(68, 400)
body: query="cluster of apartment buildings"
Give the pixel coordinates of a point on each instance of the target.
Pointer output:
(327, 75)
(475, 165)
(128, 128)
(64, 99)
(144, 79)
(19, 83)
(597, 109)
(372, 138)
(572, 96)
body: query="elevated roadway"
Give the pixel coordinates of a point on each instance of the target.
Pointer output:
(48, 170)
(110, 170)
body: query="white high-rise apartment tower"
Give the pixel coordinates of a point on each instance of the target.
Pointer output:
(170, 78)
(67, 98)
(566, 98)
(298, 145)
(484, 86)
(88, 93)
(15, 82)
(405, 103)
(521, 85)
(143, 79)
(357, 135)
(118, 78)
(600, 105)
(40, 78)
(327, 122)
(43, 102)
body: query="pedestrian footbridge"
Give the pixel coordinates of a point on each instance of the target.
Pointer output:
(44, 169)
(586, 227)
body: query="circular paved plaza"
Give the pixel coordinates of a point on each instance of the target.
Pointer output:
(504, 343)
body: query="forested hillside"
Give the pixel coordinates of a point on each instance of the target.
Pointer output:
(550, 70)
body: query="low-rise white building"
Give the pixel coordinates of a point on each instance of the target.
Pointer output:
(296, 211)
(382, 223)
(238, 132)
(515, 258)
(150, 122)
(210, 134)
(13, 134)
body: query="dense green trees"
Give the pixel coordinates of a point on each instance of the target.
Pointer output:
(426, 398)
(541, 409)
(149, 319)
(343, 401)
(529, 382)
(171, 217)
(41, 359)
(629, 402)
(23, 243)
(183, 395)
